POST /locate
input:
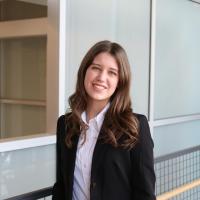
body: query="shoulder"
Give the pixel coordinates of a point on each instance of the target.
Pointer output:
(60, 131)
(143, 149)
(62, 120)
(144, 130)
(142, 120)
(62, 123)
(140, 117)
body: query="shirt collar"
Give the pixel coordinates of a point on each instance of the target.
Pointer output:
(99, 118)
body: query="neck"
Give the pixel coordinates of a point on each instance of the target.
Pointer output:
(93, 109)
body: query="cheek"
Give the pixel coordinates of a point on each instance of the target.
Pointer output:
(88, 79)
(115, 84)
(85, 84)
(89, 75)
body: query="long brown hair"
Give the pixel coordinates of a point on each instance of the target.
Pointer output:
(120, 126)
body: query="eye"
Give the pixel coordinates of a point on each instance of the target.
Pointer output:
(95, 67)
(113, 73)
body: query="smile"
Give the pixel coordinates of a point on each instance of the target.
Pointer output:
(99, 86)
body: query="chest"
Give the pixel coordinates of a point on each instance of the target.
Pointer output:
(101, 158)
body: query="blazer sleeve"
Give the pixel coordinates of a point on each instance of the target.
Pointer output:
(143, 180)
(58, 188)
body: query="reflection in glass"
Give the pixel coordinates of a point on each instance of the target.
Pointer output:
(24, 68)
(23, 86)
(15, 10)
(22, 120)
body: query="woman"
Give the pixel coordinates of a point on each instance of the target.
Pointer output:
(104, 151)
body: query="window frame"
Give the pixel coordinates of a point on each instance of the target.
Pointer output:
(52, 27)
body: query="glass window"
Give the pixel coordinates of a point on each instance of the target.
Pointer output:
(22, 120)
(177, 80)
(26, 170)
(176, 137)
(126, 22)
(23, 86)
(15, 9)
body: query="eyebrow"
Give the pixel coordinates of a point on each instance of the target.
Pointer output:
(114, 69)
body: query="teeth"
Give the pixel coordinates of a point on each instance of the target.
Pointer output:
(99, 86)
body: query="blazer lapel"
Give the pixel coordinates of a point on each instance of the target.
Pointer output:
(71, 162)
(98, 154)
(73, 153)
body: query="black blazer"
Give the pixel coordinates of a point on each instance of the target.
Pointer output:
(116, 174)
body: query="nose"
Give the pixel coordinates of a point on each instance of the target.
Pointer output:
(102, 76)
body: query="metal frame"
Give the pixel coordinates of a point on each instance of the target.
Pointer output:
(62, 55)
(152, 63)
(45, 192)
(197, 1)
(176, 154)
(177, 174)
(26, 142)
(1, 84)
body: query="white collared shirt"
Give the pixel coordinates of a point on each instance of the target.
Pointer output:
(82, 171)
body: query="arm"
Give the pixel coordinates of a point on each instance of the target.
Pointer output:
(58, 188)
(143, 180)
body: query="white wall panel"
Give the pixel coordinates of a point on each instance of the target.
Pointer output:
(177, 90)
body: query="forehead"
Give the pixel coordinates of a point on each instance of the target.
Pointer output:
(105, 59)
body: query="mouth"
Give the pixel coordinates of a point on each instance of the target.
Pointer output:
(99, 86)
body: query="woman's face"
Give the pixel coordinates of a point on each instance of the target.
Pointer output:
(101, 78)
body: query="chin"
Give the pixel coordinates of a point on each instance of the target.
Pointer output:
(100, 99)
